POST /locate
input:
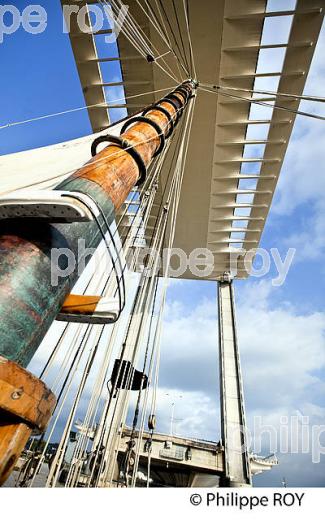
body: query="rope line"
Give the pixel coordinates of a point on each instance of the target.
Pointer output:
(304, 97)
(186, 14)
(184, 63)
(132, 31)
(155, 23)
(71, 110)
(262, 103)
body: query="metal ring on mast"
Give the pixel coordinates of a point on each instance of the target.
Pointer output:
(182, 90)
(150, 122)
(174, 105)
(127, 147)
(166, 113)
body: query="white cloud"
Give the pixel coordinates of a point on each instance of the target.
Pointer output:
(280, 349)
(302, 180)
(283, 362)
(309, 240)
(195, 414)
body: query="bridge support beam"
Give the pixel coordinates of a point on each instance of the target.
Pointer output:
(233, 429)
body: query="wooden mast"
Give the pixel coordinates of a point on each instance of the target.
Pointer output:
(29, 302)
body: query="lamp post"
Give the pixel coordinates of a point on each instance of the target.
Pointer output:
(172, 415)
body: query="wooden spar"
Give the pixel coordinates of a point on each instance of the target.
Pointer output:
(83, 303)
(30, 299)
(26, 404)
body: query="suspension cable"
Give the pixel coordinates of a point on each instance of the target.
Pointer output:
(303, 97)
(262, 103)
(131, 31)
(193, 67)
(157, 341)
(86, 107)
(184, 60)
(156, 24)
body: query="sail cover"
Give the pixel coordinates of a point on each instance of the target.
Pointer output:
(45, 167)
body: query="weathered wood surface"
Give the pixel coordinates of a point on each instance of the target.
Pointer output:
(80, 304)
(26, 404)
(29, 302)
(122, 168)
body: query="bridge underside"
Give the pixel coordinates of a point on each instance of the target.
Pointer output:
(170, 474)
(230, 177)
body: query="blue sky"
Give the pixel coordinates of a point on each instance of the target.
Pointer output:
(41, 78)
(281, 330)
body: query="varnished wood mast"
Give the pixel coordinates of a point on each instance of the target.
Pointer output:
(29, 300)
(114, 170)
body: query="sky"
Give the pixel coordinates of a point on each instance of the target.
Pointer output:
(280, 329)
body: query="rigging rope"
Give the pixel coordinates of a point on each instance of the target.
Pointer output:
(163, 34)
(163, 28)
(94, 464)
(71, 110)
(157, 339)
(77, 334)
(65, 394)
(141, 306)
(108, 477)
(262, 103)
(303, 97)
(184, 62)
(186, 14)
(132, 32)
(143, 303)
(155, 23)
(147, 39)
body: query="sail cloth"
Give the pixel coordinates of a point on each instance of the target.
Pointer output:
(46, 167)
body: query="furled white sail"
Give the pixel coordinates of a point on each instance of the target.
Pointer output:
(45, 167)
